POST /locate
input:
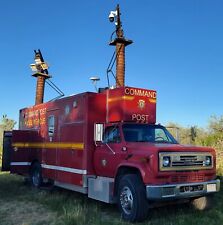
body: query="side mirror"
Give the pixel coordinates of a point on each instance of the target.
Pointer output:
(98, 132)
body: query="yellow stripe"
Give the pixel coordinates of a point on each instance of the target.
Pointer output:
(152, 100)
(121, 98)
(79, 146)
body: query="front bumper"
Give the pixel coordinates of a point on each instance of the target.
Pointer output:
(180, 191)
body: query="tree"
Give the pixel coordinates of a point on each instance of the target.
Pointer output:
(216, 124)
(6, 125)
(212, 136)
(183, 135)
(193, 135)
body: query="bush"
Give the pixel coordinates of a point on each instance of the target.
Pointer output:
(215, 141)
(218, 146)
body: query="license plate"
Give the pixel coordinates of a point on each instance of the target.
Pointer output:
(211, 187)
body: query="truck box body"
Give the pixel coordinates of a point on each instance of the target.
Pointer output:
(59, 135)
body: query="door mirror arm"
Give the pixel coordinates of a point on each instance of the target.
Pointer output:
(110, 148)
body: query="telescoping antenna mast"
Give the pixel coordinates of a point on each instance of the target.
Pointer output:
(120, 42)
(40, 69)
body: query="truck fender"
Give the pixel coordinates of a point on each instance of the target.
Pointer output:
(127, 168)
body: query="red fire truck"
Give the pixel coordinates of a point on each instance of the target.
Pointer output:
(107, 145)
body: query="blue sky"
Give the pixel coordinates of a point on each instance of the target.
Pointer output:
(177, 51)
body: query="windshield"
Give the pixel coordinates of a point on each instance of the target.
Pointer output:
(147, 133)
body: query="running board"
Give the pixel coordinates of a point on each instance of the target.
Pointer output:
(71, 187)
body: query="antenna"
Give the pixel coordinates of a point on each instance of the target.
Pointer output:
(94, 82)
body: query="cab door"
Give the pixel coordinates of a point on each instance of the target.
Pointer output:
(109, 153)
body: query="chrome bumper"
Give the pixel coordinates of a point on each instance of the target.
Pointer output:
(179, 191)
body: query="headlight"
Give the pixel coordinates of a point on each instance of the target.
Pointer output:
(208, 161)
(166, 161)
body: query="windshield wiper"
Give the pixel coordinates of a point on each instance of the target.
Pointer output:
(166, 142)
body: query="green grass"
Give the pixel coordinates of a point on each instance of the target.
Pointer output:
(22, 205)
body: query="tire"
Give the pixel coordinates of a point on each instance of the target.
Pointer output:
(36, 175)
(132, 200)
(202, 203)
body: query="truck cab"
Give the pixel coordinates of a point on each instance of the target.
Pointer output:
(123, 141)
(148, 166)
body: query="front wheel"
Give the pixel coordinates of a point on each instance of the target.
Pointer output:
(132, 198)
(36, 175)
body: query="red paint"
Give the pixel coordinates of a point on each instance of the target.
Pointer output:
(131, 104)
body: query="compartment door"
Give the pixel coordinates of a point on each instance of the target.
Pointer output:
(7, 149)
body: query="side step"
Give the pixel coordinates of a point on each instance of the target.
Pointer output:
(71, 187)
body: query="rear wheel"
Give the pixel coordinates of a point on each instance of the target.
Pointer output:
(132, 198)
(36, 175)
(203, 203)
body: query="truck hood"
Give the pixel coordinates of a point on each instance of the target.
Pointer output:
(145, 147)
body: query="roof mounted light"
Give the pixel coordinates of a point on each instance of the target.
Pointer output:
(40, 66)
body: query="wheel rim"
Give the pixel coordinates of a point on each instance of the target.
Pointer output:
(126, 200)
(36, 178)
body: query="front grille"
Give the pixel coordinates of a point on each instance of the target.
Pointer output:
(185, 161)
(200, 163)
(188, 160)
(187, 178)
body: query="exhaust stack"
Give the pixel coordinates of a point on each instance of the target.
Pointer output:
(40, 69)
(120, 42)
